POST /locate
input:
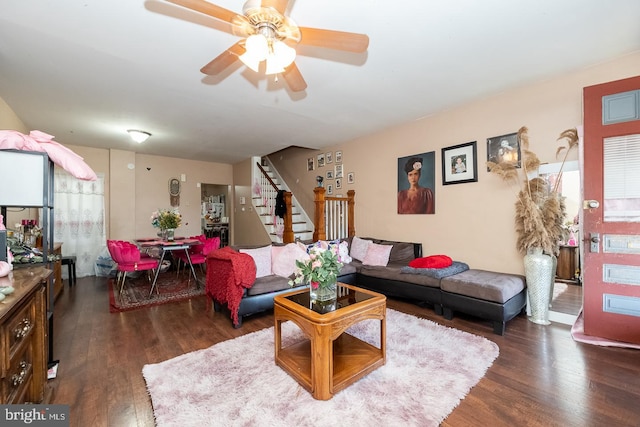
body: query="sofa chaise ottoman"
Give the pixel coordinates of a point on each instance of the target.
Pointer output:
(498, 297)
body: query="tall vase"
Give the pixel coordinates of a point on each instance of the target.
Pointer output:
(554, 271)
(538, 271)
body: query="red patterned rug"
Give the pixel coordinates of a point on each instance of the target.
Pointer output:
(171, 288)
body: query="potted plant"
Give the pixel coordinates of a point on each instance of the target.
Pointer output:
(320, 271)
(167, 221)
(539, 219)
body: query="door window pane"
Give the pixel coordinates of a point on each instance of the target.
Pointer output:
(622, 178)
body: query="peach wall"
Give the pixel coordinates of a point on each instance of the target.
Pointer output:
(473, 222)
(152, 175)
(9, 120)
(248, 228)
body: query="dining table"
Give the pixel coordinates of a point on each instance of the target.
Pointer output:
(178, 244)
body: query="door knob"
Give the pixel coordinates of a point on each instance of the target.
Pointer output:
(594, 238)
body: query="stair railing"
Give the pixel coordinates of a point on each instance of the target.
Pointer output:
(334, 216)
(268, 190)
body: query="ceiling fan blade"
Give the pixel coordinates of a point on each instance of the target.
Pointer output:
(294, 78)
(279, 5)
(208, 9)
(340, 40)
(225, 59)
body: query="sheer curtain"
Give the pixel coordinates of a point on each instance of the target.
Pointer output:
(79, 219)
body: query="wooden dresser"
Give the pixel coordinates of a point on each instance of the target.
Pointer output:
(23, 341)
(58, 286)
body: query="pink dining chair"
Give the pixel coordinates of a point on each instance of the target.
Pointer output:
(128, 257)
(198, 253)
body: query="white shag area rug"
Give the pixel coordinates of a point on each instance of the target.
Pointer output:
(429, 369)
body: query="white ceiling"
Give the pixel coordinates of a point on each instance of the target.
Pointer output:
(87, 70)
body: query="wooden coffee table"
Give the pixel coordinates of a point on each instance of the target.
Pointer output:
(329, 359)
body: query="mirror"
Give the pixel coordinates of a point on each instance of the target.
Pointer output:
(567, 293)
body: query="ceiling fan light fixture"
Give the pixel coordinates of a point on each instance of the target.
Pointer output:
(285, 54)
(257, 46)
(138, 136)
(273, 66)
(250, 61)
(257, 49)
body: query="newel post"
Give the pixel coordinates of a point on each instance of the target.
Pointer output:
(319, 232)
(287, 233)
(351, 226)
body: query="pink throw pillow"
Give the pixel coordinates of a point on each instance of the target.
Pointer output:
(12, 139)
(377, 255)
(262, 258)
(69, 161)
(285, 257)
(359, 248)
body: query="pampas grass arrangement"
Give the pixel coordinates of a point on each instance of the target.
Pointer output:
(540, 210)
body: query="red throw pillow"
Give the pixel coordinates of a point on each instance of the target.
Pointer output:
(433, 261)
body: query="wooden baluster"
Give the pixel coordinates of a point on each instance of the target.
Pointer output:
(351, 195)
(319, 232)
(287, 234)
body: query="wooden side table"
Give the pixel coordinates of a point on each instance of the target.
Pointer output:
(329, 359)
(567, 264)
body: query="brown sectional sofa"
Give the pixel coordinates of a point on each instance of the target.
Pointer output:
(496, 297)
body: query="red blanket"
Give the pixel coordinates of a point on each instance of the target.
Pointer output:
(229, 273)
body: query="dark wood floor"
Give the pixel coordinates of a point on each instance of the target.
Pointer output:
(541, 378)
(567, 298)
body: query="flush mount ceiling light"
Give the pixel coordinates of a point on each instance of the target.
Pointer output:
(138, 136)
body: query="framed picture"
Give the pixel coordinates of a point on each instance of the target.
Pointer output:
(504, 148)
(311, 165)
(329, 189)
(416, 184)
(328, 157)
(321, 160)
(460, 164)
(339, 172)
(338, 183)
(351, 178)
(330, 174)
(338, 156)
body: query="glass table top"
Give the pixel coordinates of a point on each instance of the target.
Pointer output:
(345, 297)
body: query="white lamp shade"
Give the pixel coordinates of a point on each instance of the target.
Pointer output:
(285, 54)
(257, 46)
(280, 59)
(250, 61)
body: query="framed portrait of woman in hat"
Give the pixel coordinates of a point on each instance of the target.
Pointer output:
(416, 184)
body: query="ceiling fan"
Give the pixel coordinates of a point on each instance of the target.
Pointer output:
(268, 37)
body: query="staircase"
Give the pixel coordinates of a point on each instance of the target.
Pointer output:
(264, 194)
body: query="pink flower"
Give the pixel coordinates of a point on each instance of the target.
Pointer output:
(315, 285)
(316, 264)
